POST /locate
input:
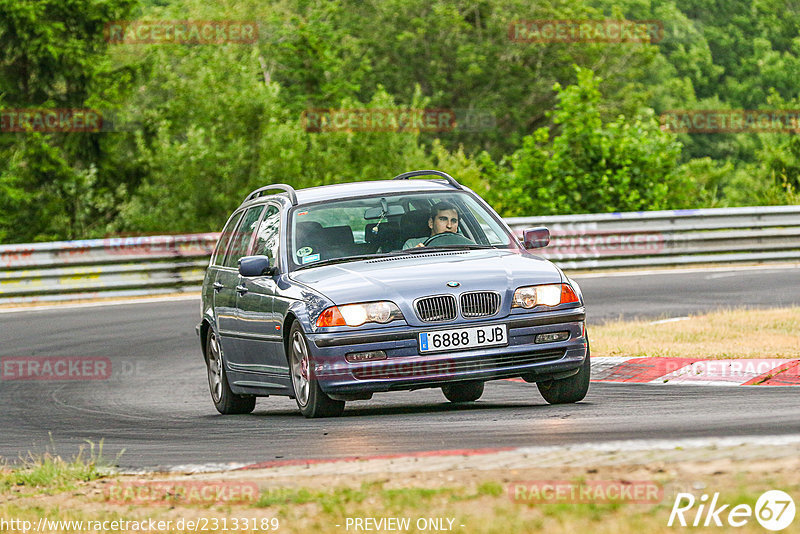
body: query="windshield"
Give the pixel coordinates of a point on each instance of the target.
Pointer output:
(391, 224)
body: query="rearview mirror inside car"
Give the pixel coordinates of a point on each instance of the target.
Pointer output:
(255, 266)
(536, 237)
(375, 213)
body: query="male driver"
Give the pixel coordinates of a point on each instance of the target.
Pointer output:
(443, 218)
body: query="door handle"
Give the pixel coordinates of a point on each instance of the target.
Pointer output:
(217, 286)
(241, 290)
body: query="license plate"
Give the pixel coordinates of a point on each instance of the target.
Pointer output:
(463, 338)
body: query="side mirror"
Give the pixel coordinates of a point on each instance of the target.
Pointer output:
(250, 266)
(536, 237)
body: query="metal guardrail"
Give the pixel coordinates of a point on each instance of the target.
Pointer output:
(674, 237)
(112, 267)
(125, 266)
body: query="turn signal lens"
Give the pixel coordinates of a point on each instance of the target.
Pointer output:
(544, 295)
(357, 314)
(331, 317)
(568, 294)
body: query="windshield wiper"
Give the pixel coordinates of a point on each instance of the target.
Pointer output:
(423, 250)
(343, 259)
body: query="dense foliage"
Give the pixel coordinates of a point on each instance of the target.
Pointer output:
(575, 125)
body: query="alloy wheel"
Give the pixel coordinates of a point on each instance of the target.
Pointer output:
(215, 368)
(300, 368)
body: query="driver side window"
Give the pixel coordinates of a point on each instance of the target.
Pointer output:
(268, 235)
(243, 237)
(225, 238)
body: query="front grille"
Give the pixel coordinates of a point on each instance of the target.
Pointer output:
(479, 304)
(439, 308)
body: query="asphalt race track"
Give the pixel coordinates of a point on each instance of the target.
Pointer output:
(156, 407)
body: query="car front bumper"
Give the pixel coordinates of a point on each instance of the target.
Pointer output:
(405, 368)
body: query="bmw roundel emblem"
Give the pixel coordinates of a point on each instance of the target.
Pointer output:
(453, 284)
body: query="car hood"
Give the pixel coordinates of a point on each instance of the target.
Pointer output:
(405, 278)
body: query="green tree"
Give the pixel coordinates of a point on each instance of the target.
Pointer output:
(50, 57)
(591, 165)
(462, 56)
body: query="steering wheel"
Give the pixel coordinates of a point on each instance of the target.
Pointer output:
(448, 238)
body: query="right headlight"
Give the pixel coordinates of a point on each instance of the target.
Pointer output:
(544, 295)
(357, 314)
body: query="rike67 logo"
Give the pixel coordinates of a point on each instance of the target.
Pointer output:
(774, 510)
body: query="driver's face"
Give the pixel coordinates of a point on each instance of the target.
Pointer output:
(445, 221)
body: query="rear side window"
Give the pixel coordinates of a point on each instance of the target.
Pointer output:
(225, 238)
(243, 236)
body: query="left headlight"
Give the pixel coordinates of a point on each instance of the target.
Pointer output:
(382, 312)
(544, 295)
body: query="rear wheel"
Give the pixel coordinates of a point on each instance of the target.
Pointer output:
(463, 392)
(225, 400)
(567, 390)
(311, 400)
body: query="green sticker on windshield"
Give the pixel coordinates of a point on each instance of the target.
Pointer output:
(305, 251)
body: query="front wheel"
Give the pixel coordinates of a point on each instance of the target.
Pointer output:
(567, 390)
(225, 401)
(311, 400)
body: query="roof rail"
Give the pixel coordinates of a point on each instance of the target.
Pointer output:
(406, 175)
(285, 187)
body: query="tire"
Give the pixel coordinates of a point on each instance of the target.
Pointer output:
(568, 390)
(225, 401)
(463, 392)
(311, 400)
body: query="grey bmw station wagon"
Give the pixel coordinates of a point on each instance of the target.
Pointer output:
(333, 293)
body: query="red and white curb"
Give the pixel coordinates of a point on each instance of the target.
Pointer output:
(308, 462)
(698, 371)
(419, 454)
(625, 452)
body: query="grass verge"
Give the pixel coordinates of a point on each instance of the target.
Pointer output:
(737, 333)
(49, 473)
(467, 501)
